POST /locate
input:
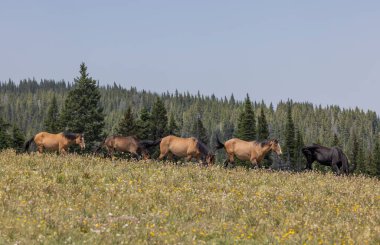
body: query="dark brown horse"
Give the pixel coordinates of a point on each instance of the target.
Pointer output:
(55, 142)
(131, 144)
(186, 147)
(333, 157)
(252, 151)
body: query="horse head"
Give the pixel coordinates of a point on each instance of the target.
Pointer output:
(210, 158)
(79, 140)
(145, 155)
(275, 146)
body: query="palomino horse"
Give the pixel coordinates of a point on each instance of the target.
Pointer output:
(185, 147)
(327, 156)
(127, 144)
(252, 151)
(55, 142)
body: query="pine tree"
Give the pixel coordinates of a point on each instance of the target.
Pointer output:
(362, 165)
(263, 134)
(82, 112)
(52, 119)
(159, 119)
(262, 126)
(271, 108)
(127, 126)
(357, 154)
(290, 144)
(299, 158)
(172, 127)
(144, 125)
(5, 138)
(18, 139)
(370, 166)
(246, 129)
(227, 130)
(232, 99)
(376, 156)
(335, 141)
(199, 131)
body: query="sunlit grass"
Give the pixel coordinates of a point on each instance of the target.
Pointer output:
(74, 199)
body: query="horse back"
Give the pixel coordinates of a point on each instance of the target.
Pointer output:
(122, 143)
(178, 146)
(49, 140)
(235, 144)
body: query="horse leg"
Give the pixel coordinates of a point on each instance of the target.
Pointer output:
(203, 161)
(109, 153)
(226, 163)
(40, 149)
(109, 150)
(255, 163)
(63, 151)
(230, 159)
(162, 155)
(135, 155)
(335, 168)
(188, 158)
(198, 159)
(170, 157)
(308, 165)
(345, 169)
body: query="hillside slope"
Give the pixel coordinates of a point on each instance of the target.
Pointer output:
(76, 199)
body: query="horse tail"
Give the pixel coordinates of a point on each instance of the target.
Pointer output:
(28, 143)
(346, 164)
(100, 146)
(219, 144)
(149, 143)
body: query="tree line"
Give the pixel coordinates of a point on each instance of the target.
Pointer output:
(30, 106)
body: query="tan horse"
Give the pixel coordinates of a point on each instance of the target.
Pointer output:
(185, 147)
(127, 144)
(252, 151)
(55, 142)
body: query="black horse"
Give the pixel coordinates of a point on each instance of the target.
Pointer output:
(327, 156)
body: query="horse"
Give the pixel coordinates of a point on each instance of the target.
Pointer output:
(55, 142)
(127, 144)
(252, 151)
(333, 157)
(186, 147)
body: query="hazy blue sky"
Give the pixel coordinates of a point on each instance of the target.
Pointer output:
(324, 52)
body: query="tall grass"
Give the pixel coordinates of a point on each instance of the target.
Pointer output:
(74, 199)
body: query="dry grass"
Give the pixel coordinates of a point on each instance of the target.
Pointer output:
(72, 199)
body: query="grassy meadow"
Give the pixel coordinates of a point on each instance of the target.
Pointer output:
(53, 199)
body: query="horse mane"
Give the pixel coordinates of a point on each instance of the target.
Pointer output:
(70, 136)
(134, 137)
(122, 136)
(315, 145)
(265, 142)
(130, 136)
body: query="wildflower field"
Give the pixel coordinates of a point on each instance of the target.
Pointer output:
(75, 199)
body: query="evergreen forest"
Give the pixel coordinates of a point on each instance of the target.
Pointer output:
(30, 106)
